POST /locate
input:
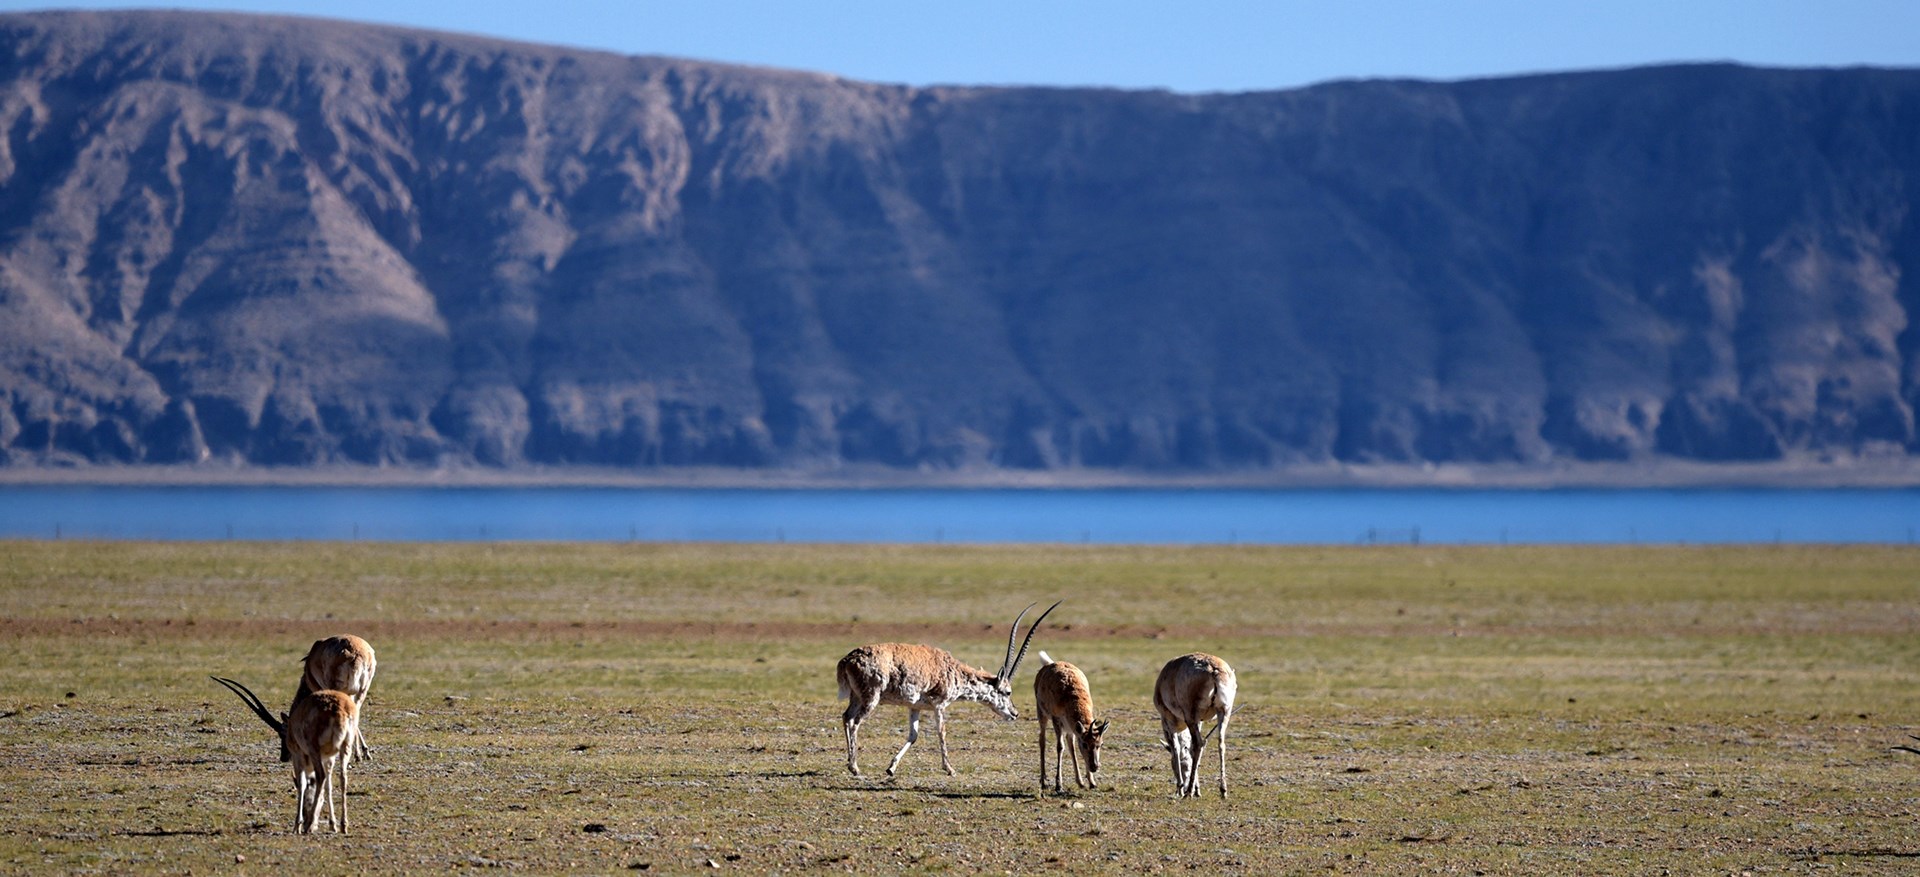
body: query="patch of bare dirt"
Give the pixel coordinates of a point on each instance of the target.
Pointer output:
(883, 632)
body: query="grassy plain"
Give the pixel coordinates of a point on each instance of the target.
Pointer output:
(671, 708)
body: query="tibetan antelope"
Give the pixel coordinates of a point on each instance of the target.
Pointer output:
(1062, 699)
(1191, 689)
(319, 733)
(923, 678)
(341, 663)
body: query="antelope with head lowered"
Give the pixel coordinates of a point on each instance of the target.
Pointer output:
(1191, 689)
(923, 678)
(1062, 699)
(342, 663)
(318, 736)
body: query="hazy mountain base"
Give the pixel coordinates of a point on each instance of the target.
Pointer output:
(1879, 473)
(284, 242)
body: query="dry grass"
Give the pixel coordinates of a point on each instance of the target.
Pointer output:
(671, 708)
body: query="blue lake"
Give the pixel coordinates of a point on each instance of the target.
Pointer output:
(1159, 516)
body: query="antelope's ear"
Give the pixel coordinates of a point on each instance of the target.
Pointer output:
(1100, 727)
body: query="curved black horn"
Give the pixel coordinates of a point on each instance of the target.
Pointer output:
(1013, 665)
(1006, 663)
(252, 700)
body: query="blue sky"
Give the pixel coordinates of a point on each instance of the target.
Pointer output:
(1194, 45)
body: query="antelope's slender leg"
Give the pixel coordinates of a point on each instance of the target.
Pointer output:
(1058, 757)
(1043, 752)
(343, 792)
(1173, 741)
(299, 801)
(1223, 753)
(1193, 770)
(940, 727)
(333, 822)
(360, 748)
(323, 789)
(857, 711)
(313, 803)
(1073, 752)
(853, 742)
(913, 734)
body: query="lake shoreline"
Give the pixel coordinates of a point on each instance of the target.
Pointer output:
(1879, 473)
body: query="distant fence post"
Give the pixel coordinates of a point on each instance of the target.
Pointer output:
(1393, 536)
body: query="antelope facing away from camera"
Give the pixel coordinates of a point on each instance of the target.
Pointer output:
(1062, 699)
(341, 663)
(1191, 689)
(923, 678)
(319, 734)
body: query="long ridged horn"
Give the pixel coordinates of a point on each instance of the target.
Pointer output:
(1013, 660)
(1007, 662)
(253, 700)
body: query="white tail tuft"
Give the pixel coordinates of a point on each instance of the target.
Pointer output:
(1044, 660)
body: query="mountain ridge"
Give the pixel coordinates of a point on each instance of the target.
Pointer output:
(290, 242)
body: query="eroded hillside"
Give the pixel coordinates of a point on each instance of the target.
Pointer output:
(289, 241)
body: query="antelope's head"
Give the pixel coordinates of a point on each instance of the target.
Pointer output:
(252, 700)
(1090, 745)
(1001, 699)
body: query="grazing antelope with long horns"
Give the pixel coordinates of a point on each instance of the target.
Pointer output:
(342, 663)
(923, 678)
(318, 734)
(1191, 689)
(1062, 699)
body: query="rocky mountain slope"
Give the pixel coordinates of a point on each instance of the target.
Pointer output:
(284, 241)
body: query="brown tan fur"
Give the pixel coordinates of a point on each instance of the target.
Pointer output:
(922, 678)
(322, 730)
(343, 663)
(1191, 689)
(317, 736)
(1063, 699)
